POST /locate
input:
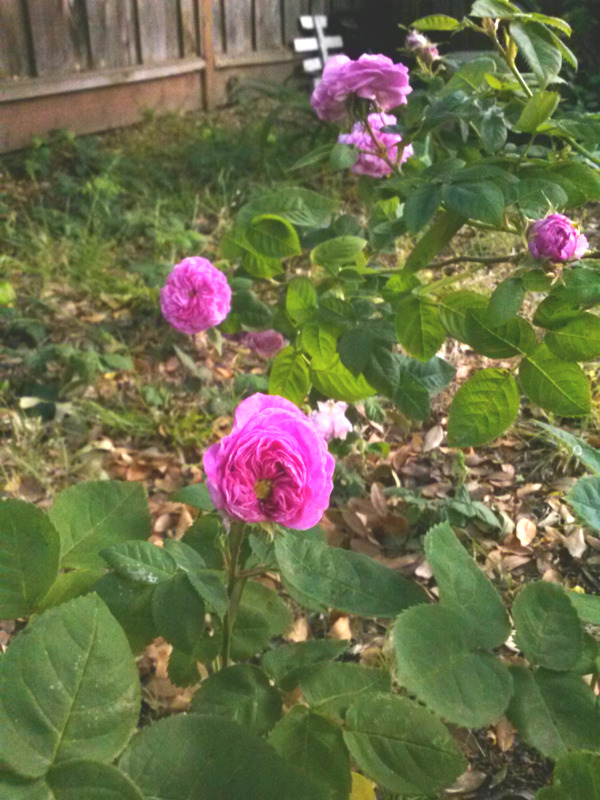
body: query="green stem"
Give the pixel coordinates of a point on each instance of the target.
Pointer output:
(235, 587)
(581, 149)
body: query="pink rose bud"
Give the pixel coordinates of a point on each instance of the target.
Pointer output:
(331, 421)
(370, 160)
(196, 296)
(371, 77)
(556, 238)
(273, 466)
(265, 343)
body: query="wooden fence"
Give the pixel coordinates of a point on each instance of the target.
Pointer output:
(89, 65)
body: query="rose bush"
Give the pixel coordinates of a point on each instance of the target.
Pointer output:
(196, 296)
(378, 151)
(556, 238)
(273, 466)
(371, 77)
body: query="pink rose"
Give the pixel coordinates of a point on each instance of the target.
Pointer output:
(330, 420)
(556, 238)
(196, 296)
(265, 343)
(273, 466)
(371, 77)
(370, 161)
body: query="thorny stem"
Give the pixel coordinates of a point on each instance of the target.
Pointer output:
(235, 586)
(381, 150)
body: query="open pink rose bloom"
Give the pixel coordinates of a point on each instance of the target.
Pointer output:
(373, 147)
(556, 238)
(273, 466)
(196, 296)
(371, 77)
(330, 420)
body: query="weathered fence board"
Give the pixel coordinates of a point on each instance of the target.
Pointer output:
(239, 29)
(292, 9)
(190, 35)
(159, 34)
(268, 25)
(112, 34)
(59, 34)
(15, 56)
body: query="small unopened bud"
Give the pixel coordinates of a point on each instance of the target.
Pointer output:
(490, 26)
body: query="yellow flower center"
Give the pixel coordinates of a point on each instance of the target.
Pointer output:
(262, 489)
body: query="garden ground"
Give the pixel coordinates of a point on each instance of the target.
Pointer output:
(94, 384)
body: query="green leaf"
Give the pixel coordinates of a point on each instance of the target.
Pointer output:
(421, 205)
(418, 327)
(332, 379)
(289, 376)
(537, 110)
(498, 9)
(433, 241)
(250, 310)
(300, 300)
(506, 300)
(576, 777)
(90, 780)
(483, 201)
(437, 22)
(436, 660)
(15, 788)
(315, 746)
(511, 338)
(286, 664)
(241, 693)
(298, 206)
(339, 252)
(178, 613)
(190, 755)
(330, 687)
(195, 495)
(140, 562)
(205, 536)
(588, 455)
(314, 157)
(453, 309)
(69, 688)
(494, 132)
(536, 196)
(29, 554)
(411, 396)
(483, 408)
(354, 348)
(401, 745)
(584, 180)
(554, 711)
(236, 245)
(465, 588)
(68, 586)
(342, 156)
(434, 374)
(584, 497)
(555, 385)
(587, 607)
(209, 585)
(262, 615)
(548, 630)
(93, 516)
(273, 236)
(318, 341)
(538, 48)
(131, 604)
(323, 576)
(576, 340)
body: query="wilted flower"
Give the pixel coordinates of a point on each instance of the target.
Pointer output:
(330, 420)
(273, 466)
(421, 46)
(371, 77)
(196, 296)
(375, 157)
(265, 343)
(556, 238)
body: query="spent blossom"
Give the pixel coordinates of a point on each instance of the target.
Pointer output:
(196, 296)
(556, 238)
(420, 45)
(265, 343)
(371, 77)
(378, 151)
(330, 420)
(273, 466)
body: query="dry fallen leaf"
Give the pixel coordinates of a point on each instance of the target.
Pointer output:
(433, 438)
(526, 531)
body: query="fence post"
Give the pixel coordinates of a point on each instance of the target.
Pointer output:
(208, 53)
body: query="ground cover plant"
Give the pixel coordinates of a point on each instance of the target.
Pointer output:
(352, 311)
